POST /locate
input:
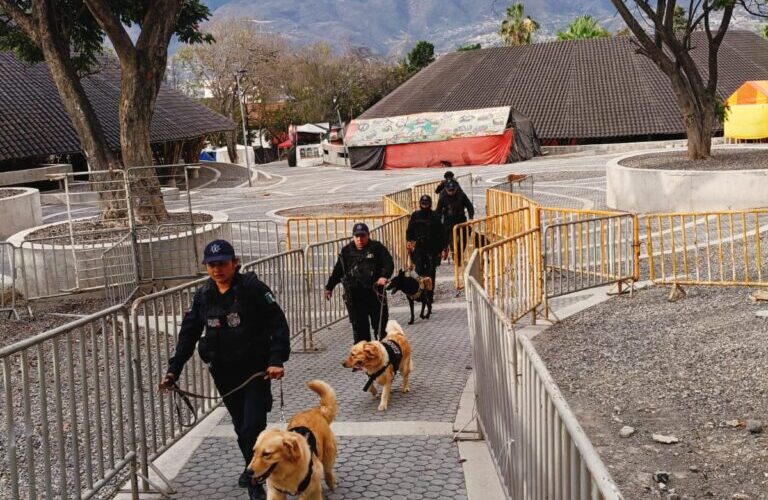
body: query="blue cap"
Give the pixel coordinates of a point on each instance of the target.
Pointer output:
(360, 228)
(218, 251)
(451, 184)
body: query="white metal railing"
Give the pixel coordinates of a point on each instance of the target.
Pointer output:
(121, 277)
(68, 428)
(538, 446)
(8, 284)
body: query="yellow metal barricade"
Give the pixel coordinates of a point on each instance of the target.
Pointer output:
(511, 272)
(708, 248)
(478, 233)
(498, 201)
(303, 231)
(398, 203)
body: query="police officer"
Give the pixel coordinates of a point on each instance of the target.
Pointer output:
(447, 176)
(246, 332)
(363, 264)
(426, 239)
(451, 207)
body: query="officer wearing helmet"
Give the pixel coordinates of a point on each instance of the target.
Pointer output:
(240, 331)
(364, 266)
(451, 206)
(426, 239)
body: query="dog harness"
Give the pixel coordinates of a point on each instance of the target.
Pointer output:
(395, 355)
(304, 484)
(425, 285)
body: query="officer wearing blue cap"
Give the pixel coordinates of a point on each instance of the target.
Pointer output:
(451, 206)
(246, 332)
(364, 266)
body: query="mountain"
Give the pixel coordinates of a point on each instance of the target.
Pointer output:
(392, 27)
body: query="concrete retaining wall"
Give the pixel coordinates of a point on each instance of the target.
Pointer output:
(20, 212)
(36, 174)
(642, 190)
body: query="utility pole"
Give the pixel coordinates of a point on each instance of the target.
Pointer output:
(241, 98)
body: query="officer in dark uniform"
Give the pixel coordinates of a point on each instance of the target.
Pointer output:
(451, 207)
(362, 264)
(246, 332)
(426, 239)
(447, 176)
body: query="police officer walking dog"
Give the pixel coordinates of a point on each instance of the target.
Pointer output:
(426, 240)
(362, 265)
(246, 334)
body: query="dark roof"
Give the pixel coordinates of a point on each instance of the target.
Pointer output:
(33, 121)
(576, 89)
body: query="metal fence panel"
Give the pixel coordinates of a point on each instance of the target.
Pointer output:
(9, 287)
(538, 447)
(477, 233)
(708, 248)
(303, 231)
(512, 273)
(589, 253)
(392, 235)
(398, 203)
(121, 277)
(320, 259)
(499, 201)
(68, 424)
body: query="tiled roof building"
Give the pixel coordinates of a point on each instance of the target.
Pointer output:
(588, 90)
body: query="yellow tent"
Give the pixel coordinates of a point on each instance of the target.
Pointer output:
(748, 116)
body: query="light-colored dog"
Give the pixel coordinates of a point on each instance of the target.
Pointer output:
(376, 358)
(287, 460)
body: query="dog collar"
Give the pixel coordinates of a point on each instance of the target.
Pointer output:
(312, 442)
(395, 354)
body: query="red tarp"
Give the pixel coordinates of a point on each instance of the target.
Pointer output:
(285, 144)
(488, 150)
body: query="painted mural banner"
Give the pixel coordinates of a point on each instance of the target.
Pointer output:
(427, 127)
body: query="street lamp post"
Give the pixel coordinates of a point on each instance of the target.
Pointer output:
(347, 159)
(241, 97)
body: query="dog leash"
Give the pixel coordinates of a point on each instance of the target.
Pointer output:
(382, 298)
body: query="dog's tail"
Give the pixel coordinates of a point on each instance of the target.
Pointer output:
(327, 395)
(394, 327)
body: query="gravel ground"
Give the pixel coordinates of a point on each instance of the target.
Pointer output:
(8, 192)
(567, 175)
(92, 231)
(682, 369)
(361, 208)
(721, 159)
(46, 313)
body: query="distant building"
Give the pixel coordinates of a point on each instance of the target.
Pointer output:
(575, 92)
(35, 125)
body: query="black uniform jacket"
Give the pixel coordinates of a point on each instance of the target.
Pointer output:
(360, 269)
(245, 328)
(426, 229)
(451, 208)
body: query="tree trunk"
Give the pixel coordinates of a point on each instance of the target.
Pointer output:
(698, 113)
(55, 48)
(137, 104)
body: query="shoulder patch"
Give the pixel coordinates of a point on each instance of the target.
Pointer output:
(270, 298)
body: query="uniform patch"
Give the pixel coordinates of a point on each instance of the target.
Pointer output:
(369, 255)
(233, 320)
(269, 298)
(214, 322)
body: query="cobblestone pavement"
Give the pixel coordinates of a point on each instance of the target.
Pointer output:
(393, 467)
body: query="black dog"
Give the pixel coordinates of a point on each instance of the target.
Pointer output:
(416, 290)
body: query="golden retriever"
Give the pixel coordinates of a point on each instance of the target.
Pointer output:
(286, 459)
(374, 358)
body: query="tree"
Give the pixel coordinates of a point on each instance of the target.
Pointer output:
(143, 66)
(421, 55)
(765, 31)
(68, 36)
(517, 28)
(658, 39)
(583, 27)
(468, 47)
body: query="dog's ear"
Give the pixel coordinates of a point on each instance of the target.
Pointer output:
(291, 448)
(370, 351)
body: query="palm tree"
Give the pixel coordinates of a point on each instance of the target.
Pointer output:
(582, 27)
(517, 28)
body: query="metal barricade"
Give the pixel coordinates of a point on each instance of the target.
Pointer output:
(708, 248)
(9, 288)
(284, 274)
(478, 233)
(589, 253)
(538, 446)
(303, 231)
(428, 188)
(547, 216)
(498, 201)
(67, 411)
(511, 271)
(121, 276)
(152, 190)
(392, 235)
(320, 260)
(516, 183)
(156, 320)
(398, 203)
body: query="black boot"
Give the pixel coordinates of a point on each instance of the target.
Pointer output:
(256, 492)
(245, 478)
